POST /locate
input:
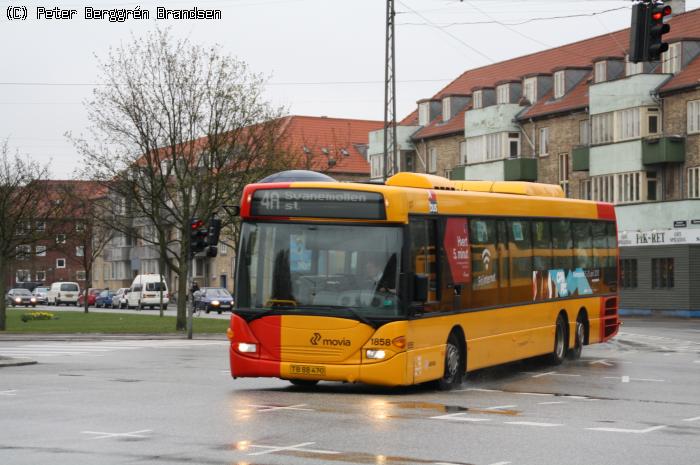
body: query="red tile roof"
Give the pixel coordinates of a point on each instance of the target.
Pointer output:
(334, 134)
(689, 77)
(438, 128)
(579, 53)
(575, 99)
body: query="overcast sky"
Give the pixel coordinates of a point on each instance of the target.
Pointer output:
(323, 57)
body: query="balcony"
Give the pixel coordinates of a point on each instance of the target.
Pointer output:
(581, 158)
(511, 169)
(663, 150)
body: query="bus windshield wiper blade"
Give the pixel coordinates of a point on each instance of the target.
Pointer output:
(355, 314)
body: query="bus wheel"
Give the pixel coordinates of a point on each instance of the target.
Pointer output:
(453, 365)
(559, 342)
(575, 352)
(304, 382)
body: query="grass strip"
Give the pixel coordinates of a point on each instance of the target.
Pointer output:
(107, 323)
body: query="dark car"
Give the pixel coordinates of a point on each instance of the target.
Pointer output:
(104, 299)
(20, 297)
(217, 299)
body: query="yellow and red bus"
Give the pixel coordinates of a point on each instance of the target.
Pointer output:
(417, 279)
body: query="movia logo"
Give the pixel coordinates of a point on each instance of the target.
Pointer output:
(315, 338)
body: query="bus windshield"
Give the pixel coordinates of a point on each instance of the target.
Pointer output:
(344, 270)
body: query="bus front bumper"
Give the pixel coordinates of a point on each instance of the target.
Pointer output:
(391, 372)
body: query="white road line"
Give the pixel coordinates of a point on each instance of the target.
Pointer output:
(541, 394)
(633, 431)
(297, 447)
(270, 408)
(501, 463)
(10, 392)
(550, 403)
(625, 379)
(458, 417)
(500, 407)
(539, 375)
(601, 362)
(685, 419)
(533, 423)
(132, 434)
(696, 361)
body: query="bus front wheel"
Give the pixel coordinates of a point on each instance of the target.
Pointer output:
(454, 363)
(559, 351)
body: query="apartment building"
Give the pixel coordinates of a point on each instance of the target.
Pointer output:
(601, 127)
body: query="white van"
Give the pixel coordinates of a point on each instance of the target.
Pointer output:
(63, 293)
(146, 290)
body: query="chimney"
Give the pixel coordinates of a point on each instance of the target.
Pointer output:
(677, 7)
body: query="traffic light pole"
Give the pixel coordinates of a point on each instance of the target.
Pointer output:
(190, 306)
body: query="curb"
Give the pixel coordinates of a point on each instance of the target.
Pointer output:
(16, 362)
(659, 313)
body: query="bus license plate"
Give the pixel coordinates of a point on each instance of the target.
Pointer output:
(307, 370)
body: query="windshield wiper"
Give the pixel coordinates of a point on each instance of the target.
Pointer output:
(354, 313)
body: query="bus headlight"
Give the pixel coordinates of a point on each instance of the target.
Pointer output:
(374, 354)
(247, 348)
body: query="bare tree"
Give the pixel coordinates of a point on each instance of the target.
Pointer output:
(177, 131)
(23, 206)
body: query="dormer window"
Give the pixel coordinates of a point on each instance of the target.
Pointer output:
(633, 68)
(503, 93)
(559, 84)
(671, 59)
(530, 89)
(423, 113)
(446, 109)
(601, 71)
(477, 99)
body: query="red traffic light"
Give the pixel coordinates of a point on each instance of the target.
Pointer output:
(196, 224)
(659, 14)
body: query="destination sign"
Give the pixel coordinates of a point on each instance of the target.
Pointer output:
(318, 203)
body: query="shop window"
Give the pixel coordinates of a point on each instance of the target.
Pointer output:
(662, 273)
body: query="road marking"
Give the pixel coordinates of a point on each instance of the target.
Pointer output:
(550, 403)
(458, 417)
(543, 374)
(270, 408)
(297, 447)
(479, 390)
(541, 394)
(601, 362)
(132, 434)
(633, 431)
(696, 361)
(627, 379)
(501, 463)
(500, 407)
(533, 423)
(691, 419)
(9, 392)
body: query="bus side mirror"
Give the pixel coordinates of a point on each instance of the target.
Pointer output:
(420, 288)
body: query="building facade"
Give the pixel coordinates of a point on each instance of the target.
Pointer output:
(604, 129)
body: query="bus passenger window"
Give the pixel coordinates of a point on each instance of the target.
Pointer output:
(520, 248)
(483, 239)
(583, 245)
(610, 273)
(562, 245)
(541, 245)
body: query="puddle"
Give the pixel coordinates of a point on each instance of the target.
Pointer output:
(442, 408)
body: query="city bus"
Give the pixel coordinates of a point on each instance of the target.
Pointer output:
(418, 279)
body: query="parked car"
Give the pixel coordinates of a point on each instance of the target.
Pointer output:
(41, 293)
(92, 294)
(119, 298)
(217, 299)
(104, 299)
(20, 297)
(63, 293)
(146, 291)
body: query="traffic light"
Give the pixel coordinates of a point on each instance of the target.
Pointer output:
(647, 30)
(213, 237)
(657, 29)
(198, 235)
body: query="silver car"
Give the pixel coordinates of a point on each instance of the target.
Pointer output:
(19, 297)
(119, 299)
(40, 293)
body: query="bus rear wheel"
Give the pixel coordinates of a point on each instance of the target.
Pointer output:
(575, 352)
(454, 361)
(304, 382)
(559, 352)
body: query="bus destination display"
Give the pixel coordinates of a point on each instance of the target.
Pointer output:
(318, 203)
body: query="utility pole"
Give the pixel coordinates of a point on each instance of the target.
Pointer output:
(390, 143)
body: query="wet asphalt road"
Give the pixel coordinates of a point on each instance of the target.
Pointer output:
(635, 400)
